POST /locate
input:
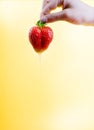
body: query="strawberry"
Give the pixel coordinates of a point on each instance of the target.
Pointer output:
(40, 37)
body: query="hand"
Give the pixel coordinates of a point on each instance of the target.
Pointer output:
(73, 11)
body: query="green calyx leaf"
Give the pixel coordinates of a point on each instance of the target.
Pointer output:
(40, 24)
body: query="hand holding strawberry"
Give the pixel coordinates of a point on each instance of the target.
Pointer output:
(40, 37)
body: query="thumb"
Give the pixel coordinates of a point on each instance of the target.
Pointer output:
(52, 17)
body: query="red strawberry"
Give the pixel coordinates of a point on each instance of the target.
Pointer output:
(40, 37)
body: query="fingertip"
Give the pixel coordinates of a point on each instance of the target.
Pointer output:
(43, 19)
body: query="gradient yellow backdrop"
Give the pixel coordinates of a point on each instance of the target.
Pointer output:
(56, 93)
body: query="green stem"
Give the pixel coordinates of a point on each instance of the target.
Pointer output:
(40, 24)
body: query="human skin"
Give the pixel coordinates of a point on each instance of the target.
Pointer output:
(73, 11)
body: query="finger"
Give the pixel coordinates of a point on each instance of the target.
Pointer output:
(60, 3)
(62, 15)
(45, 5)
(51, 5)
(48, 7)
(45, 2)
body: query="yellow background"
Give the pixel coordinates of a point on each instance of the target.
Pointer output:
(56, 93)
